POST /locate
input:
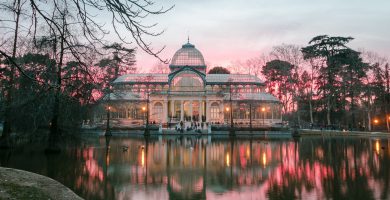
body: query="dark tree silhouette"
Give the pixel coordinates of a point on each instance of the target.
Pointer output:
(70, 29)
(326, 48)
(353, 71)
(219, 70)
(278, 76)
(16, 8)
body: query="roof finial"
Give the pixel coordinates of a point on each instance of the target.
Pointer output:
(188, 39)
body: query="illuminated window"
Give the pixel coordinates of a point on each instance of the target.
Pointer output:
(214, 111)
(158, 111)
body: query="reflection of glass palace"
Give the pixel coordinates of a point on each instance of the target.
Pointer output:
(187, 93)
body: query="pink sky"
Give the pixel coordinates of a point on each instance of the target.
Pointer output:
(227, 30)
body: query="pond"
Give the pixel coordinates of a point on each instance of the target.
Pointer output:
(203, 168)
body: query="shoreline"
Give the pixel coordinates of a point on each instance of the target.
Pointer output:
(245, 132)
(276, 133)
(315, 132)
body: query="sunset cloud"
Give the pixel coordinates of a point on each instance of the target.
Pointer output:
(229, 30)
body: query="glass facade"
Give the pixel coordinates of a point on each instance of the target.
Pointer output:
(188, 94)
(188, 81)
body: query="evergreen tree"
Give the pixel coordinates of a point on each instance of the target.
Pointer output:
(328, 49)
(353, 72)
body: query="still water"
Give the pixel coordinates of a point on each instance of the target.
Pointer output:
(200, 168)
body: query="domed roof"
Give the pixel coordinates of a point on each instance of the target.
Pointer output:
(188, 55)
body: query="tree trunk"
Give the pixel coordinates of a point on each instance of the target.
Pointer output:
(54, 128)
(352, 96)
(369, 96)
(10, 89)
(311, 112)
(387, 119)
(369, 113)
(298, 115)
(328, 109)
(353, 113)
(369, 121)
(311, 96)
(387, 97)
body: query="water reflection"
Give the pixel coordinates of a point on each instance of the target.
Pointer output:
(195, 168)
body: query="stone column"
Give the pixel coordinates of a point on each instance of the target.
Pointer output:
(165, 112)
(149, 116)
(127, 111)
(204, 108)
(280, 112)
(221, 112)
(172, 107)
(201, 109)
(181, 110)
(191, 109)
(208, 111)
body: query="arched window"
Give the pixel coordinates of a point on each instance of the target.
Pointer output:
(158, 111)
(187, 81)
(214, 111)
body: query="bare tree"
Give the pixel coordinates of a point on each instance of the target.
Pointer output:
(127, 14)
(16, 7)
(314, 66)
(160, 68)
(237, 67)
(72, 29)
(255, 65)
(376, 62)
(292, 54)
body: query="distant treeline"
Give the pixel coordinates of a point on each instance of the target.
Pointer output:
(326, 83)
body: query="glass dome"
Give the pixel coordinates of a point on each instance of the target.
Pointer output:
(188, 55)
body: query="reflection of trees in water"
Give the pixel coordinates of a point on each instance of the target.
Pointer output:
(332, 168)
(341, 168)
(78, 167)
(336, 168)
(186, 185)
(88, 171)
